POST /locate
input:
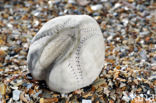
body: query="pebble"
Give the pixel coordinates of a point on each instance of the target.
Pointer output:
(48, 100)
(143, 54)
(71, 1)
(86, 101)
(16, 94)
(96, 7)
(36, 23)
(144, 33)
(126, 98)
(122, 85)
(10, 25)
(153, 68)
(125, 22)
(29, 86)
(83, 2)
(36, 13)
(4, 48)
(50, 4)
(2, 89)
(117, 5)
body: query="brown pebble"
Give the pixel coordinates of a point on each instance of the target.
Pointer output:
(2, 89)
(153, 68)
(2, 53)
(48, 100)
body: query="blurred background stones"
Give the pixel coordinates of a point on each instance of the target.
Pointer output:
(129, 29)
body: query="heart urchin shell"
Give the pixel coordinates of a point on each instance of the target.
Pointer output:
(67, 52)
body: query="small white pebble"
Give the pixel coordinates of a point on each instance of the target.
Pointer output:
(96, 7)
(126, 98)
(126, 8)
(10, 25)
(16, 94)
(86, 101)
(50, 4)
(5, 48)
(117, 5)
(125, 22)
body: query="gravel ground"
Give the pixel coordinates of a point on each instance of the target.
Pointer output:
(129, 29)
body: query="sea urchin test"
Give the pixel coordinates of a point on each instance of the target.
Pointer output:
(67, 52)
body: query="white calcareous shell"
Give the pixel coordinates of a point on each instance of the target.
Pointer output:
(67, 52)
